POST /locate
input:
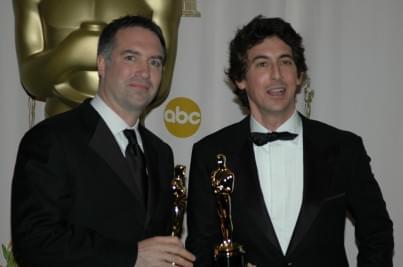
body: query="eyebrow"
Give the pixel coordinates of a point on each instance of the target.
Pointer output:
(130, 51)
(266, 57)
(158, 57)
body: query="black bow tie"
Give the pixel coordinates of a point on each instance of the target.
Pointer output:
(261, 139)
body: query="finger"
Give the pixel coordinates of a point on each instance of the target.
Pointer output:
(154, 242)
(170, 245)
(164, 240)
(180, 252)
(179, 261)
(170, 240)
(168, 249)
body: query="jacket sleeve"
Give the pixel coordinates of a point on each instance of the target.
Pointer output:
(42, 197)
(373, 226)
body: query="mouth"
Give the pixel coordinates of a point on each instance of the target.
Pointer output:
(139, 85)
(276, 91)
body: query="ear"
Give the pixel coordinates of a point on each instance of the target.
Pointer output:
(241, 84)
(300, 82)
(301, 78)
(101, 65)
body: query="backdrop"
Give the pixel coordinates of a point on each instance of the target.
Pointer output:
(354, 55)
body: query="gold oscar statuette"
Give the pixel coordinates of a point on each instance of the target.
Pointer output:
(227, 253)
(179, 192)
(56, 44)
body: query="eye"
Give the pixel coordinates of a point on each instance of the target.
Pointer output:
(130, 57)
(261, 64)
(287, 61)
(156, 63)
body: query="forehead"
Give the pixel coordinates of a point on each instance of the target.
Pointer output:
(132, 37)
(271, 46)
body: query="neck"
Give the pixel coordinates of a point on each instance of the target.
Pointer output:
(272, 121)
(130, 117)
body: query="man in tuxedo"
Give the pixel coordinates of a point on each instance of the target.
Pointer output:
(92, 186)
(295, 178)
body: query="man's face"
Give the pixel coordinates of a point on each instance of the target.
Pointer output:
(271, 80)
(130, 78)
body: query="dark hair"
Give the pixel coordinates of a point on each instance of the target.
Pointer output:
(254, 33)
(107, 37)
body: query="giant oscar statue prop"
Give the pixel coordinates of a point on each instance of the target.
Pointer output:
(228, 253)
(56, 43)
(179, 194)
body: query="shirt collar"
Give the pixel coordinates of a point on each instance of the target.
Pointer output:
(114, 122)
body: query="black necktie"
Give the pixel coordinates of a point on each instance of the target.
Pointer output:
(261, 139)
(136, 162)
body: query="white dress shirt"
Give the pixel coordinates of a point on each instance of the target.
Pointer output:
(280, 170)
(115, 123)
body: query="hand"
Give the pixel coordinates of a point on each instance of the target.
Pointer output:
(251, 265)
(163, 251)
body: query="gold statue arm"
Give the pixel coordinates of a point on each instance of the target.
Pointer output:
(42, 66)
(167, 15)
(179, 199)
(29, 39)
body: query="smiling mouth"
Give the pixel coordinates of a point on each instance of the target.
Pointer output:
(139, 85)
(278, 91)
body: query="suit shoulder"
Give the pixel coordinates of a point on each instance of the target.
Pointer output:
(65, 124)
(153, 138)
(336, 134)
(226, 134)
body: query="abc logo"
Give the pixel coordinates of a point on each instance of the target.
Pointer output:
(182, 117)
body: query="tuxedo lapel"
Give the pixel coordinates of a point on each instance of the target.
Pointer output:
(150, 154)
(318, 169)
(103, 143)
(248, 185)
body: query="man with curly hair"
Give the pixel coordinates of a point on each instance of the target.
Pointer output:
(295, 178)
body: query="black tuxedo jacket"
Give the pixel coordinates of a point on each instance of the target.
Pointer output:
(337, 180)
(74, 202)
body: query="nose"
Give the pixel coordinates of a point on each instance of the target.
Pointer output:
(143, 69)
(275, 72)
